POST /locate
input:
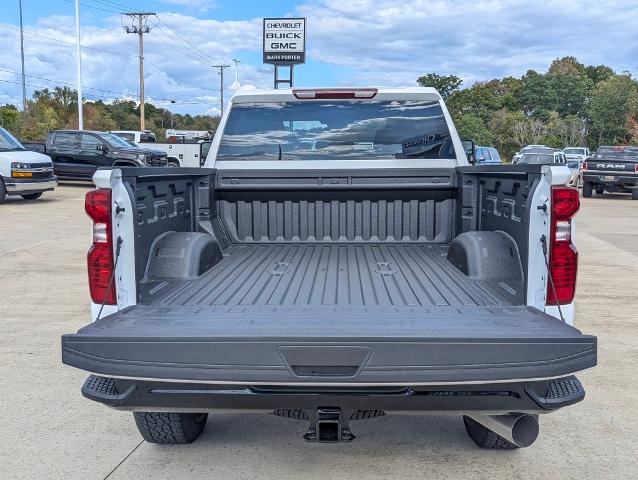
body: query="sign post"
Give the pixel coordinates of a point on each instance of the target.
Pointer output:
(284, 45)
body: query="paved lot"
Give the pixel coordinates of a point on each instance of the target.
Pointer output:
(49, 431)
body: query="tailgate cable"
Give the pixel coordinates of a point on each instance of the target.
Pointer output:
(118, 247)
(549, 275)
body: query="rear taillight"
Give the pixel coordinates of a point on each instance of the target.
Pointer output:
(563, 256)
(636, 168)
(335, 93)
(585, 166)
(100, 257)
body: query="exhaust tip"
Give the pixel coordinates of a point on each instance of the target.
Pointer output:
(525, 430)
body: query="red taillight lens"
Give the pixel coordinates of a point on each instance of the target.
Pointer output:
(100, 257)
(585, 166)
(563, 256)
(565, 202)
(97, 204)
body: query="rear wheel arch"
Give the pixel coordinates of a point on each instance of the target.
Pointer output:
(125, 163)
(173, 162)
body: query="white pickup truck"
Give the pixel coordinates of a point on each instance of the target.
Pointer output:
(179, 153)
(337, 259)
(23, 172)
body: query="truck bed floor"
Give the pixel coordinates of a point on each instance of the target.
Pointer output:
(334, 274)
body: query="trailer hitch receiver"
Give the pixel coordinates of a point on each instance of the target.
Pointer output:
(328, 425)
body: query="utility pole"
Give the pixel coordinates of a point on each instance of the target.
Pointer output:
(141, 28)
(24, 86)
(237, 62)
(172, 101)
(78, 54)
(221, 74)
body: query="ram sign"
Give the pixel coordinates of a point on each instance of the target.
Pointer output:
(284, 41)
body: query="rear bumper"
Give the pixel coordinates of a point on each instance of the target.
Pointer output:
(20, 186)
(508, 344)
(523, 397)
(622, 181)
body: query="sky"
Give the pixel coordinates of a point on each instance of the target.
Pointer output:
(349, 43)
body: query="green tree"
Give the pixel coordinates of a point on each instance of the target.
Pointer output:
(613, 104)
(10, 119)
(472, 126)
(599, 73)
(444, 84)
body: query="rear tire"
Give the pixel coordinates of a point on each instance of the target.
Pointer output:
(170, 428)
(3, 191)
(634, 194)
(32, 196)
(587, 189)
(172, 164)
(484, 437)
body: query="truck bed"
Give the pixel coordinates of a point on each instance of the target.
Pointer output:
(330, 314)
(335, 274)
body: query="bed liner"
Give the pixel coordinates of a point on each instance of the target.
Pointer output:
(334, 274)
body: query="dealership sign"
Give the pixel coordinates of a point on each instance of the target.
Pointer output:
(284, 41)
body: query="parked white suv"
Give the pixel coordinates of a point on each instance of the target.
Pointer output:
(23, 172)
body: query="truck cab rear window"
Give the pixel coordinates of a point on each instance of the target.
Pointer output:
(336, 130)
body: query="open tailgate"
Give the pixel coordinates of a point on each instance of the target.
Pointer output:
(336, 345)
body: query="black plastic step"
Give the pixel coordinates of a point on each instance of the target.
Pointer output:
(558, 393)
(105, 390)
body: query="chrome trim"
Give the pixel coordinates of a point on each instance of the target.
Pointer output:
(333, 384)
(29, 186)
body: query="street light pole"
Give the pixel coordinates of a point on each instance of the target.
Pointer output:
(237, 62)
(24, 85)
(78, 54)
(172, 101)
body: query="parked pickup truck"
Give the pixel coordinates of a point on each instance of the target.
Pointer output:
(77, 154)
(611, 169)
(24, 173)
(337, 259)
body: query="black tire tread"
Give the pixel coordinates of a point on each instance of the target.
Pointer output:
(170, 428)
(3, 191)
(484, 437)
(587, 189)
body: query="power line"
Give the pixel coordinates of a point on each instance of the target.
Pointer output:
(111, 52)
(68, 84)
(181, 49)
(119, 6)
(102, 97)
(204, 54)
(69, 43)
(190, 52)
(93, 7)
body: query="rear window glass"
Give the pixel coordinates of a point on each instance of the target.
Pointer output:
(336, 130)
(65, 140)
(574, 151)
(126, 136)
(537, 158)
(622, 152)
